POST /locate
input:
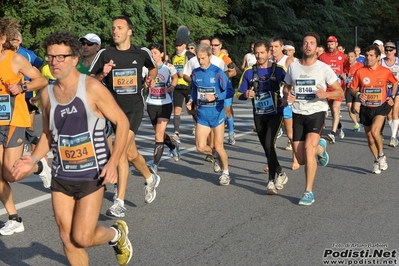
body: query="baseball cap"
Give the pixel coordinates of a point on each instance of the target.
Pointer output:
(91, 37)
(332, 39)
(179, 42)
(390, 45)
(378, 42)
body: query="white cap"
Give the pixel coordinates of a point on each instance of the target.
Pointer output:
(91, 37)
(378, 42)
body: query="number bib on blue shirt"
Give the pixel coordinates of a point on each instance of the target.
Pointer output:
(77, 152)
(201, 92)
(264, 104)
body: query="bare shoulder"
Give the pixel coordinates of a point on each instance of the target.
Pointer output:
(95, 87)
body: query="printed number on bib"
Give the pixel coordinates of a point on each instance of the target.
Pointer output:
(374, 97)
(264, 104)
(77, 152)
(159, 92)
(305, 89)
(202, 91)
(5, 108)
(125, 81)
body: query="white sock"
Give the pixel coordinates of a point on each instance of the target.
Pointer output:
(122, 202)
(226, 172)
(149, 180)
(394, 127)
(117, 235)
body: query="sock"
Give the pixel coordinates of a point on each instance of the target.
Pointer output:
(116, 237)
(14, 217)
(176, 123)
(121, 201)
(158, 152)
(394, 127)
(380, 155)
(333, 132)
(39, 167)
(339, 125)
(230, 124)
(149, 180)
(167, 142)
(226, 172)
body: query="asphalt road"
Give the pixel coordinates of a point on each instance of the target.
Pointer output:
(194, 221)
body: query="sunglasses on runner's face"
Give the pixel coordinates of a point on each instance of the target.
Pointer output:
(389, 49)
(87, 43)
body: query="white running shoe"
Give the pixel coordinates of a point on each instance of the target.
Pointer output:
(224, 179)
(382, 161)
(281, 180)
(271, 188)
(45, 175)
(149, 189)
(117, 209)
(11, 227)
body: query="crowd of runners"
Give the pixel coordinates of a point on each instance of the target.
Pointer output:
(92, 102)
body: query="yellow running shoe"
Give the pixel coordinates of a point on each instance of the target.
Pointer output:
(123, 248)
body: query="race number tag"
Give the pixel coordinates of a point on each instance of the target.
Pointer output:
(374, 97)
(5, 108)
(179, 68)
(125, 81)
(201, 100)
(264, 104)
(305, 89)
(77, 152)
(159, 92)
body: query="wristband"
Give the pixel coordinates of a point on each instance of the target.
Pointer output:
(393, 97)
(358, 94)
(34, 158)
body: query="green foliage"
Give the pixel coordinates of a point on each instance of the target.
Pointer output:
(235, 21)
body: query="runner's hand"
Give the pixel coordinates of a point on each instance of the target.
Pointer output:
(110, 174)
(23, 167)
(108, 67)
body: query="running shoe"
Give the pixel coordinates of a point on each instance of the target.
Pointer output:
(45, 174)
(331, 138)
(175, 137)
(175, 154)
(323, 157)
(209, 158)
(153, 168)
(123, 248)
(271, 188)
(149, 189)
(307, 198)
(358, 127)
(280, 133)
(281, 180)
(393, 143)
(341, 132)
(382, 161)
(117, 209)
(376, 167)
(115, 192)
(232, 139)
(224, 179)
(216, 165)
(11, 227)
(289, 146)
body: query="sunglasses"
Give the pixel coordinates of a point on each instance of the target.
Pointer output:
(389, 50)
(215, 44)
(87, 43)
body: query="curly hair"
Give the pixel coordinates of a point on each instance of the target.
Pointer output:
(66, 38)
(8, 28)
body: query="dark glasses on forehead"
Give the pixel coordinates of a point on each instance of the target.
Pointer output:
(87, 43)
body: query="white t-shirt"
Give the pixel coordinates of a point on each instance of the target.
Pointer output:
(193, 64)
(304, 80)
(251, 59)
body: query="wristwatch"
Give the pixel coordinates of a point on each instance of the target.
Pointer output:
(24, 88)
(393, 97)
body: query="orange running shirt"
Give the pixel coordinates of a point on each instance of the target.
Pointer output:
(13, 109)
(373, 83)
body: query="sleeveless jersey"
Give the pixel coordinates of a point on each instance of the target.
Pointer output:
(159, 95)
(179, 61)
(283, 61)
(394, 67)
(13, 109)
(79, 143)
